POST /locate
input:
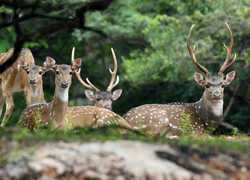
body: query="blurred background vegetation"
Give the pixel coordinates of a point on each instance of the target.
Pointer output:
(149, 37)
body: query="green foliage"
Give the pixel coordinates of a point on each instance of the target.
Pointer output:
(235, 131)
(149, 38)
(186, 124)
(210, 129)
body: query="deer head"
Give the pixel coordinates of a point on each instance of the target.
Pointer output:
(213, 84)
(34, 73)
(63, 73)
(103, 98)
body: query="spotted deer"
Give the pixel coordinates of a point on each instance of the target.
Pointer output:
(15, 79)
(158, 118)
(103, 98)
(35, 81)
(59, 113)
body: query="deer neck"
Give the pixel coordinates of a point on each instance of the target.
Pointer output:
(210, 110)
(37, 95)
(59, 106)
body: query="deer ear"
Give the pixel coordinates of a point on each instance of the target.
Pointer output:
(199, 78)
(23, 66)
(90, 95)
(229, 78)
(116, 94)
(76, 64)
(49, 63)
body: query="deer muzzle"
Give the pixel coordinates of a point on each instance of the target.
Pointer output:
(64, 84)
(32, 81)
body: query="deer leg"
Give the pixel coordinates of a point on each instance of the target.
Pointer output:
(9, 109)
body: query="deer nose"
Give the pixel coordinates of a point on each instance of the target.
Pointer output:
(32, 81)
(64, 84)
(217, 93)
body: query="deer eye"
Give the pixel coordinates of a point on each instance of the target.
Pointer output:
(40, 72)
(70, 72)
(57, 72)
(27, 71)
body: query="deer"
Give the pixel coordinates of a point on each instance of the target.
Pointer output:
(35, 81)
(102, 98)
(208, 111)
(15, 79)
(59, 113)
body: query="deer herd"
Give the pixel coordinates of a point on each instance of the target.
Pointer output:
(24, 75)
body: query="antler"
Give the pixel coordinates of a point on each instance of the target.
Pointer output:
(114, 78)
(191, 51)
(73, 54)
(87, 84)
(227, 63)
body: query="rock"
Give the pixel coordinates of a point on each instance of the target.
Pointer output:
(122, 160)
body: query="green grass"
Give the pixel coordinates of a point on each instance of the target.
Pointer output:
(239, 143)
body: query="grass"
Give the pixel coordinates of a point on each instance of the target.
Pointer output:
(239, 143)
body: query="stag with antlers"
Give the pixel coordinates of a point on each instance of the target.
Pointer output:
(103, 98)
(208, 110)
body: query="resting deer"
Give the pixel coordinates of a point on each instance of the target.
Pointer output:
(15, 79)
(58, 112)
(166, 117)
(103, 98)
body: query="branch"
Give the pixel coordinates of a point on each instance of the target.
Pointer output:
(17, 46)
(31, 16)
(15, 4)
(66, 24)
(97, 31)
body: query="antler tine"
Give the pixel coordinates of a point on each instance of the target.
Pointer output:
(73, 54)
(114, 78)
(191, 51)
(87, 84)
(117, 81)
(229, 48)
(92, 85)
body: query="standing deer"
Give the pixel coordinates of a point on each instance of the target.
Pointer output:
(15, 79)
(35, 81)
(166, 117)
(103, 98)
(58, 112)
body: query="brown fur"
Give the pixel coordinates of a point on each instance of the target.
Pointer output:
(60, 114)
(13, 80)
(92, 116)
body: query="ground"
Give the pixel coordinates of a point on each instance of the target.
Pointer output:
(108, 153)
